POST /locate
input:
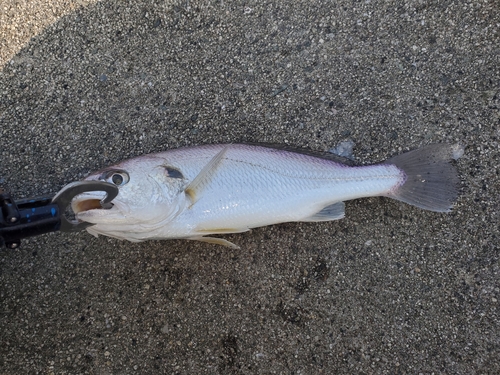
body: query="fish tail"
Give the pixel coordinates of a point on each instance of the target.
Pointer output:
(431, 182)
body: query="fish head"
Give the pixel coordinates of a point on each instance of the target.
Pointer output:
(150, 194)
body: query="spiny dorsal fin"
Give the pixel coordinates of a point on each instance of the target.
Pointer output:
(203, 178)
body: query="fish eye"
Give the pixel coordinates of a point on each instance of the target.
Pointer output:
(119, 178)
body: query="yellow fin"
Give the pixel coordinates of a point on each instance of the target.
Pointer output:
(214, 240)
(203, 178)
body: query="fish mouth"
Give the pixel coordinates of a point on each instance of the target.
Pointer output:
(86, 205)
(87, 202)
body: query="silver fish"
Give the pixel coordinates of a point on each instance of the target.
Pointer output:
(194, 192)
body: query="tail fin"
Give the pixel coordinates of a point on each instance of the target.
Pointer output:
(431, 181)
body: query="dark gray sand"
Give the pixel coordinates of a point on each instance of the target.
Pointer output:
(389, 289)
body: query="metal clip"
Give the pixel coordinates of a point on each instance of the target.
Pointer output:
(64, 197)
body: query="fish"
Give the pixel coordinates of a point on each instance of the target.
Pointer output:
(195, 192)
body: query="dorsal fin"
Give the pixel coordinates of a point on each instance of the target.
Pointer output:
(196, 186)
(319, 154)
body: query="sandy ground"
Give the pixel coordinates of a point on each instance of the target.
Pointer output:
(390, 289)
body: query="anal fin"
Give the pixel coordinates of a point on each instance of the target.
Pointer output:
(334, 211)
(204, 231)
(215, 240)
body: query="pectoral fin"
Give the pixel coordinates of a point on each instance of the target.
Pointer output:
(334, 211)
(194, 189)
(214, 240)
